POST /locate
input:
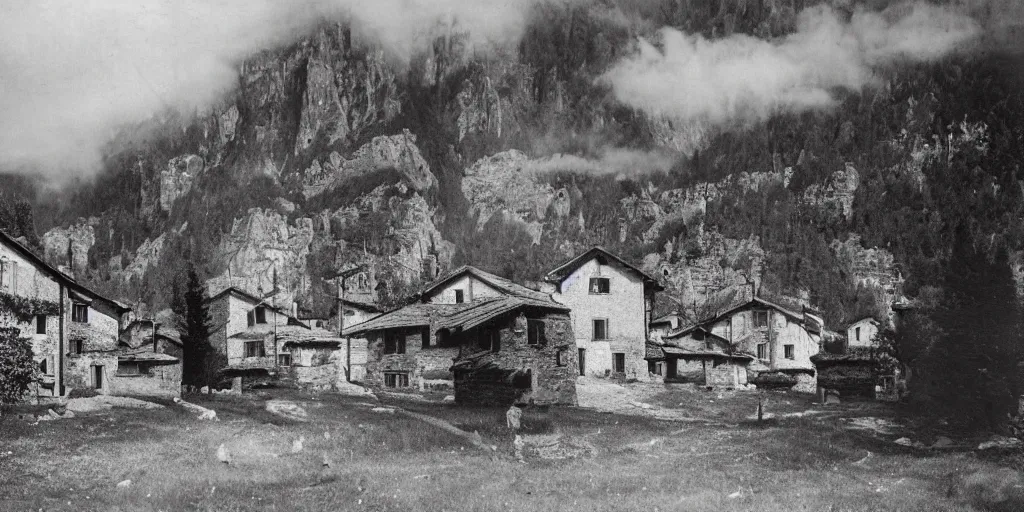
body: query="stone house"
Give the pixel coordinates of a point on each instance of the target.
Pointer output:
(862, 332)
(352, 354)
(73, 330)
(695, 354)
(243, 328)
(779, 339)
(427, 359)
(149, 360)
(611, 303)
(499, 349)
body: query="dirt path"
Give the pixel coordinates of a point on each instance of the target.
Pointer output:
(630, 399)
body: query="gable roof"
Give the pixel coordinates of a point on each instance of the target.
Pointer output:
(463, 316)
(667, 319)
(57, 274)
(756, 301)
(499, 283)
(564, 270)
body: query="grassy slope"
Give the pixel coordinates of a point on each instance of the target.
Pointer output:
(389, 462)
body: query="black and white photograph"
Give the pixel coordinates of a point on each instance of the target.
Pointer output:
(512, 255)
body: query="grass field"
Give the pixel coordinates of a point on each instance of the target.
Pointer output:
(381, 461)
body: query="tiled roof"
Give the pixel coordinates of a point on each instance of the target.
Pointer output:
(497, 282)
(564, 270)
(449, 316)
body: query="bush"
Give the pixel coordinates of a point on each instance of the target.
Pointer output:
(17, 370)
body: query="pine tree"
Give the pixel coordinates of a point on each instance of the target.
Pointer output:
(199, 358)
(969, 375)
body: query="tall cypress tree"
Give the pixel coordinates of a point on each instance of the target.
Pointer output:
(193, 317)
(970, 373)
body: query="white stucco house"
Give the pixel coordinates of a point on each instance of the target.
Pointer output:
(862, 332)
(611, 303)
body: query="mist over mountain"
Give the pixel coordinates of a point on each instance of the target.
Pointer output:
(824, 152)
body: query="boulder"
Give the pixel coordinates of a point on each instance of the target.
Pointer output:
(1000, 443)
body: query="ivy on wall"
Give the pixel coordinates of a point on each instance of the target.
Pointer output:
(24, 308)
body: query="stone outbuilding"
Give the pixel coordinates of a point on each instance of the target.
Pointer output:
(696, 355)
(149, 360)
(611, 303)
(499, 350)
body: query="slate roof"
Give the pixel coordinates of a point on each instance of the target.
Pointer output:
(57, 274)
(676, 351)
(564, 270)
(449, 316)
(154, 357)
(295, 335)
(814, 326)
(499, 283)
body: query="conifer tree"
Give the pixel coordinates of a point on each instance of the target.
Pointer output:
(193, 316)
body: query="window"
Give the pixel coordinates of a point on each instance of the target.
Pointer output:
(43, 367)
(77, 346)
(394, 342)
(260, 314)
(762, 351)
(760, 319)
(8, 274)
(128, 369)
(80, 313)
(600, 329)
(535, 331)
(788, 352)
(396, 380)
(460, 296)
(857, 334)
(284, 359)
(489, 338)
(254, 349)
(40, 324)
(560, 358)
(600, 285)
(619, 362)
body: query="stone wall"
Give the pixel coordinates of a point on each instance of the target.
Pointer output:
(162, 380)
(433, 363)
(724, 374)
(80, 371)
(552, 365)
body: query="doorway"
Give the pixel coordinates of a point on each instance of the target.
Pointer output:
(618, 362)
(97, 377)
(583, 362)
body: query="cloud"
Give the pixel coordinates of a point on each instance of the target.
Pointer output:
(739, 80)
(73, 71)
(619, 161)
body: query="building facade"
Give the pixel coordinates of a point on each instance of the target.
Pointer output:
(611, 303)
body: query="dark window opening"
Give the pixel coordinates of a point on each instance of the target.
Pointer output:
(97, 377)
(460, 296)
(762, 351)
(600, 285)
(77, 346)
(489, 339)
(396, 380)
(560, 358)
(655, 367)
(618, 362)
(261, 314)
(857, 333)
(42, 367)
(760, 319)
(40, 324)
(789, 352)
(79, 313)
(583, 361)
(394, 342)
(284, 359)
(600, 329)
(535, 332)
(254, 349)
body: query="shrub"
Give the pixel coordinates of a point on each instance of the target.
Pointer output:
(774, 380)
(17, 370)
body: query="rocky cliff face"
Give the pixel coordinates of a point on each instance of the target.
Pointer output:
(68, 247)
